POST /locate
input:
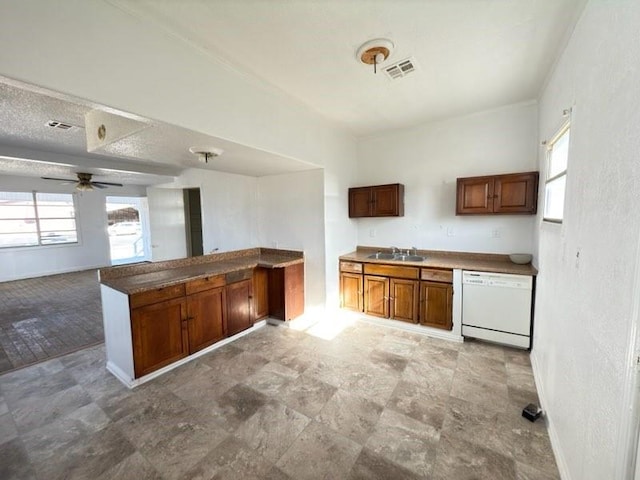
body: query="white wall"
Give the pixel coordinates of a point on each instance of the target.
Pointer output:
(92, 249)
(291, 216)
(428, 158)
(585, 296)
(228, 202)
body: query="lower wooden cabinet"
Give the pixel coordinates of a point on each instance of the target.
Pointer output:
(260, 293)
(351, 285)
(160, 335)
(399, 293)
(436, 305)
(239, 302)
(206, 315)
(404, 300)
(286, 292)
(376, 296)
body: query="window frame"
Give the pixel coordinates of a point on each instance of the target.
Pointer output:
(34, 204)
(564, 129)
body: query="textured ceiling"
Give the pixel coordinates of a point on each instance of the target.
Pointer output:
(471, 55)
(24, 133)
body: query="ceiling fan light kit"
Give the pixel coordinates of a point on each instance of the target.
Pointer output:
(84, 183)
(375, 52)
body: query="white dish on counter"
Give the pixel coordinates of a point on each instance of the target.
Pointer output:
(521, 258)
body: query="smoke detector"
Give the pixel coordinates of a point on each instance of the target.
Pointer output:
(205, 154)
(375, 52)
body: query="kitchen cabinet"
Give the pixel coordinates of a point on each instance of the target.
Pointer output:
(206, 318)
(391, 292)
(260, 293)
(239, 301)
(377, 201)
(376, 296)
(436, 298)
(351, 286)
(403, 301)
(286, 292)
(160, 336)
(515, 193)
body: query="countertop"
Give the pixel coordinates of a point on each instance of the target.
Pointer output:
(131, 279)
(482, 262)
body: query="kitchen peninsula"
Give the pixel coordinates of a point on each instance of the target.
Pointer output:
(160, 315)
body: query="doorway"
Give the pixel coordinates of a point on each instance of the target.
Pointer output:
(193, 220)
(128, 228)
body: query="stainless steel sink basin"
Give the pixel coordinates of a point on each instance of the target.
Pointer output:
(397, 257)
(409, 258)
(382, 256)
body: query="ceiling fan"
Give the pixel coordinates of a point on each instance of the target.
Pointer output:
(84, 183)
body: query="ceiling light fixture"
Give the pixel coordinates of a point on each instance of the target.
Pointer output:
(375, 52)
(204, 154)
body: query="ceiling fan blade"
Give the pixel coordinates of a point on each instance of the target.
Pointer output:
(60, 179)
(106, 184)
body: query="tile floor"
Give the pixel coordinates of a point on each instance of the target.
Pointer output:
(373, 403)
(45, 317)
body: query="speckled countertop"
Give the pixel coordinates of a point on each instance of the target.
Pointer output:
(131, 279)
(482, 262)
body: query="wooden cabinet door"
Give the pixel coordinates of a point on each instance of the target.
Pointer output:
(294, 291)
(387, 200)
(360, 202)
(436, 305)
(351, 291)
(239, 313)
(260, 293)
(404, 300)
(474, 195)
(205, 316)
(516, 193)
(286, 292)
(376, 296)
(159, 335)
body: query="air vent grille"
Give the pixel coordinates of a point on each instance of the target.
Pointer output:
(59, 125)
(401, 69)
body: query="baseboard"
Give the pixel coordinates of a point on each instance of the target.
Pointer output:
(409, 327)
(553, 435)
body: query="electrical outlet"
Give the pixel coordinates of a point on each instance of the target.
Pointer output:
(450, 232)
(372, 232)
(495, 233)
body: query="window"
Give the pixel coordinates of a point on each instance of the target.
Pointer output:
(32, 218)
(555, 184)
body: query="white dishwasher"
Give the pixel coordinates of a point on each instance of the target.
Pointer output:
(497, 307)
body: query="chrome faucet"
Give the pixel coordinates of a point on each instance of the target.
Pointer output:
(414, 251)
(394, 250)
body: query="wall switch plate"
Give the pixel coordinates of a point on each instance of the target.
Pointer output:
(450, 232)
(495, 233)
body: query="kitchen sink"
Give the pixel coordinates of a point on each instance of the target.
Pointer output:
(397, 257)
(382, 256)
(409, 258)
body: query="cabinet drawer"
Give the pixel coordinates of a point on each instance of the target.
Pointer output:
(206, 283)
(352, 267)
(445, 276)
(156, 295)
(238, 276)
(392, 271)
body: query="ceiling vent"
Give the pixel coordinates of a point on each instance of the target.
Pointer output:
(400, 69)
(59, 125)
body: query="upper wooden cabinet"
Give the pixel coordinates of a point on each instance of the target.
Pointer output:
(515, 193)
(377, 201)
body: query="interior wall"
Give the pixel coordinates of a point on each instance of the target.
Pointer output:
(291, 216)
(92, 249)
(229, 213)
(428, 158)
(584, 305)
